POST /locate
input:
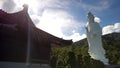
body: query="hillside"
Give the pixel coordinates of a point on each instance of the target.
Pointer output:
(111, 43)
(109, 39)
(76, 55)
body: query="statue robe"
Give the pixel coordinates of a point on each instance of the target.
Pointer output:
(96, 50)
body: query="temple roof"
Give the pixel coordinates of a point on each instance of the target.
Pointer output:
(22, 18)
(14, 38)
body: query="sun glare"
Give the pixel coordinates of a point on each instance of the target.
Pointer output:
(31, 3)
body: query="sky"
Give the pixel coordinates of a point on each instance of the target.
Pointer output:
(67, 19)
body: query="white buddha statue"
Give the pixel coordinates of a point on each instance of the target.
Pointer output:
(94, 32)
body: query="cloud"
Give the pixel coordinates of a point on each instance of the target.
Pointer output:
(8, 5)
(76, 37)
(1, 3)
(54, 3)
(97, 19)
(52, 21)
(15, 5)
(35, 19)
(111, 28)
(58, 22)
(50, 16)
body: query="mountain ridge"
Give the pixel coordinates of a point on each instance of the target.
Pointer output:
(109, 38)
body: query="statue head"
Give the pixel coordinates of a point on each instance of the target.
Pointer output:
(90, 17)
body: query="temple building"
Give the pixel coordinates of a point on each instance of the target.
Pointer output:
(20, 38)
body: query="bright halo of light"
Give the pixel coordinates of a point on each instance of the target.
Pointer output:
(31, 3)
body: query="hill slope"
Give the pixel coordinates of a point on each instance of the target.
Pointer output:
(110, 39)
(77, 54)
(111, 43)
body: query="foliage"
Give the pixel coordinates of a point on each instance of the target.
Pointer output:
(76, 55)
